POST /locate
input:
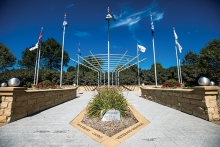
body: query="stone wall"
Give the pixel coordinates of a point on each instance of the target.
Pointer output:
(17, 102)
(199, 101)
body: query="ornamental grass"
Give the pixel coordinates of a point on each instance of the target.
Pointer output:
(106, 99)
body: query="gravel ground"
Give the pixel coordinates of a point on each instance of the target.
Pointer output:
(109, 128)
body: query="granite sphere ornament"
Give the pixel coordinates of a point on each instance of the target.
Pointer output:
(3, 85)
(203, 81)
(13, 82)
(212, 83)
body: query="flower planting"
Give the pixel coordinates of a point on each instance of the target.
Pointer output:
(171, 84)
(46, 85)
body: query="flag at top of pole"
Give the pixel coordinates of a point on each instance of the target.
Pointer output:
(176, 41)
(141, 48)
(39, 40)
(152, 26)
(79, 53)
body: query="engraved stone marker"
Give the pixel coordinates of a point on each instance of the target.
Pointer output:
(111, 115)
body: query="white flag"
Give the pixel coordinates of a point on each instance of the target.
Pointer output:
(175, 36)
(34, 47)
(176, 42)
(141, 48)
(178, 46)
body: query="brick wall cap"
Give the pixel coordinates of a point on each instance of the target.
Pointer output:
(206, 88)
(40, 90)
(167, 89)
(12, 88)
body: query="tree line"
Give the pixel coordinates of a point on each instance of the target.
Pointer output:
(193, 66)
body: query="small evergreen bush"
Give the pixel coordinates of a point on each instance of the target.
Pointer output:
(27, 85)
(106, 99)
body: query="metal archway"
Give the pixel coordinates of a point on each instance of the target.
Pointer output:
(98, 63)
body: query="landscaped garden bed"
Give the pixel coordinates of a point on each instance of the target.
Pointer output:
(108, 99)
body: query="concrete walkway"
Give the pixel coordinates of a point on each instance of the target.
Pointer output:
(168, 127)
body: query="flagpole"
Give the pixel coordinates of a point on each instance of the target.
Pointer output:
(38, 65)
(78, 68)
(112, 78)
(104, 79)
(35, 69)
(61, 70)
(155, 69)
(177, 64)
(108, 17)
(180, 72)
(177, 61)
(138, 66)
(108, 50)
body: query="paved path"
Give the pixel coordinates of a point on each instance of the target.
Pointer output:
(168, 127)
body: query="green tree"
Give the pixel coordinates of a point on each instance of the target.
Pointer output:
(209, 60)
(51, 55)
(50, 58)
(190, 58)
(158, 66)
(7, 59)
(28, 58)
(94, 63)
(71, 68)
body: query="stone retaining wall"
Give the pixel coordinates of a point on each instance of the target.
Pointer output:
(199, 101)
(17, 102)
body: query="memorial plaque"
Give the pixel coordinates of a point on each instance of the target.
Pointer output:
(111, 115)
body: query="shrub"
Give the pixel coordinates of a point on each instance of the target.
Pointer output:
(171, 84)
(106, 99)
(46, 85)
(27, 85)
(218, 95)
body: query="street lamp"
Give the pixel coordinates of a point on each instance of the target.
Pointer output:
(108, 17)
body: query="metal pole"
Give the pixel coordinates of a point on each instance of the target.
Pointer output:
(115, 78)
(118, 79)
(35, 69)
(78, 73)
(104, 79)
(180, 72)
(61, 69)
(177, 64)
(38, 62)
(112, 78)
(98, 78)
(155, 68)
(108, 52)
(138, 67)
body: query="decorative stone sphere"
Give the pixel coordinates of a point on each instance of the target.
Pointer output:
(13, 82)
(3, 85)
(203, 81)
(212, 83)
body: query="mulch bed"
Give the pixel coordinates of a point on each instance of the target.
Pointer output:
(109, 128)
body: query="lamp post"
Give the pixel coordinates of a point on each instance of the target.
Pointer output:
(61, 70)
(108, 17)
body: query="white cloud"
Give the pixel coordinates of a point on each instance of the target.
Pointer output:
(82, 34)
(131, 19)
(157, 16)
(116, 47)
(69, 6)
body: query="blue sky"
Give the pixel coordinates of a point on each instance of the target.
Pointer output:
(196, 22)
